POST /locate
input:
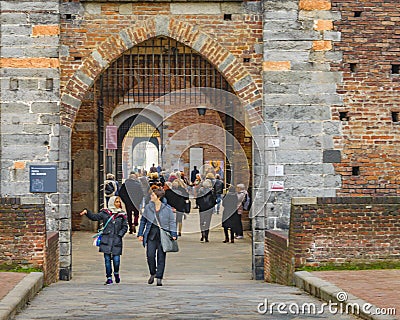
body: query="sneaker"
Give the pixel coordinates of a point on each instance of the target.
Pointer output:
(108, 282)
(159, 282)
(117, 278)
(239, 237)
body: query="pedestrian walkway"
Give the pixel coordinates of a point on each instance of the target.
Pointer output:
(203, 281)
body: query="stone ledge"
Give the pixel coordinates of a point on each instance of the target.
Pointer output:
(304, 200)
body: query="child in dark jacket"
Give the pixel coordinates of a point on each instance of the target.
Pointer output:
(115, 222)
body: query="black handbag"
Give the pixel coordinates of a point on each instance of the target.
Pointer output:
(188, 206)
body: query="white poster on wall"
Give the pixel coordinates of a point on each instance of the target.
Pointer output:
(275, 170)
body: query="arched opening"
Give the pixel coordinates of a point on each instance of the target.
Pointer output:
(152, 94)
(140, 149)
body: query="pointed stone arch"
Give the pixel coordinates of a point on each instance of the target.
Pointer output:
(225, 62)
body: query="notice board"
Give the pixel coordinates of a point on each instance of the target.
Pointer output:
(43, 178)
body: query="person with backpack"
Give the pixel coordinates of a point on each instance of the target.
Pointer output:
(110, 187)
(205, 201)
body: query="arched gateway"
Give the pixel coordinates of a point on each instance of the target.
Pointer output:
(145, 65)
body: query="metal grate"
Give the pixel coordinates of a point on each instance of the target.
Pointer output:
(159, 67)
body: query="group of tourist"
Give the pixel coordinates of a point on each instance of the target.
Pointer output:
(163, 201)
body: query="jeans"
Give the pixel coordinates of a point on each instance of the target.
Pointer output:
(155, 251)
(218, 201)
(116, 262)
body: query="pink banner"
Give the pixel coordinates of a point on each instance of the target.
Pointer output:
(111, 137)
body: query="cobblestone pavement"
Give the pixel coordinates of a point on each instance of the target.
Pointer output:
(203, 281)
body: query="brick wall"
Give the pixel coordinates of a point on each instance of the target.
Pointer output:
(278, 266)
(24, 240)
(339, 230)
(334, 231)
(23, 233)
(52, 258)
(370, 92)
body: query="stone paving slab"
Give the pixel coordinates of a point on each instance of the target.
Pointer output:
(203, 281)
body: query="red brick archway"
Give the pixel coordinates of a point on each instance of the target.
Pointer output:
(225, 62)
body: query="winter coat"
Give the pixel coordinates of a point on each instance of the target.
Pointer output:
(166, 218)
(206, 199)
(176, 198)
(218, 186)
(131, 193)
(111, 240)
(230, 216)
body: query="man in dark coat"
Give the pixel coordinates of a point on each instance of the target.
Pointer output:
(131, 193)
(193, 174)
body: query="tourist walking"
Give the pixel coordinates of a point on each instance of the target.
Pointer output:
(242, 192)
(115, 222)
(230, 216)
(156, 214)
(218, 191)
(176, 196)
(110, 187)
(205, 201)
(131, 193)
(193, 174)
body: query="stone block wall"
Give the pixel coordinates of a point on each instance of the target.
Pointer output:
(30, 111)
(299, 92)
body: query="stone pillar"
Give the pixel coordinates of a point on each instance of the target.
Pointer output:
(30, 119)
(299, 92)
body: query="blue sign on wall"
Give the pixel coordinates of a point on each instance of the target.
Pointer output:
(43, 178)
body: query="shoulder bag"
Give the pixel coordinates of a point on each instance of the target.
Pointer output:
(98, 235)
(167, 242)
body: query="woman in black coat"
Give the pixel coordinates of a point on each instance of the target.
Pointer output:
(111, 241)
(230, 216)
(206, 201)
(176, 197)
